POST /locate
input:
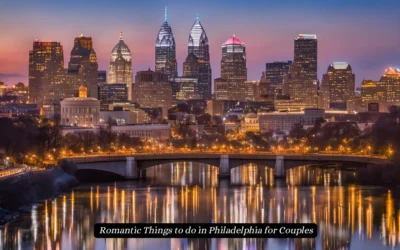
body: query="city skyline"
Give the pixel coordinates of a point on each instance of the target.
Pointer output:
(370, 50)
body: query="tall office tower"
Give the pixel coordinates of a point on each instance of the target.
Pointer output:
(275, 72)
(152, 90)
(388, 89)
(165, 51)
(82, 67)
(339, 85)
(101, 77)
(46, 63)
(121, 65)
(301, 82)
(368, 94)
(233, 62)
(197, 63)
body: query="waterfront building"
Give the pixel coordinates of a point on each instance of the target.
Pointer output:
(81, 111)
(110, 93)
(285, 121)
(46, 72)
(83, 67)
(197, 63)
(152, 90)
(301, 82)
(275, 74)
(165, 51)
(338, 86)
(156, 132)
(121, 65)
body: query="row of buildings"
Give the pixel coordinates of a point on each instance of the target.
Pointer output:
(294, 81)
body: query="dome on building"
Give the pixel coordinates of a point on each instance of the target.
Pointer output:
(233, 41)
(250, 115)
(197, 34)
(165, 38)
(121, 46)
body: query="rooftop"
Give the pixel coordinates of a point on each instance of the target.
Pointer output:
(340, 65)
(233, 41)
(306, 36)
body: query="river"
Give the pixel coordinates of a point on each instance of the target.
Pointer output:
(349, 216)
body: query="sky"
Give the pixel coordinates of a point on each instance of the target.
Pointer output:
(365, 34)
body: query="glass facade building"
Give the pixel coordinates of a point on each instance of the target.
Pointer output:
(165, 51)
(197, 63)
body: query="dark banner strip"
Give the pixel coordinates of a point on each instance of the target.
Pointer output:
(238, 230)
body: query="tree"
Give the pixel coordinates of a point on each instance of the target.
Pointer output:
(105, 137)
(298, 132)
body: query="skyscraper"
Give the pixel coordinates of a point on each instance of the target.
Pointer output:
(388, 89)
(46, 70)
(338, 84)
(121, 65)
(232, 83)
(275, 72)
(233, 62)
(165, 51)
(197, 63)
(82, 67)
(301, 82)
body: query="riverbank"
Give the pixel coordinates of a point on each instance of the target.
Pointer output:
(18, 192)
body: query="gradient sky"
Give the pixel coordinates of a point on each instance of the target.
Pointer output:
(364, 33)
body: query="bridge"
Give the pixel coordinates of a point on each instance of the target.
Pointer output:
(132, 166)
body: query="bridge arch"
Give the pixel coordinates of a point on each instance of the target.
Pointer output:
(144, 164)
(97, 175)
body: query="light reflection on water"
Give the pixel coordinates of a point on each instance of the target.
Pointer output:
(348, 216)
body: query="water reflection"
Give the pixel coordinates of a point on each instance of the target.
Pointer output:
(349, 217)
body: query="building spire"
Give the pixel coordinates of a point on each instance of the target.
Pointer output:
(197, 17)
(165, 15)
(121, 35)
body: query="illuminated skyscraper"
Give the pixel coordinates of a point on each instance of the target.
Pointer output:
(388, 89)
(46, 71)
(121, 65)
(301, 83)
(197, 63)
(233, 62)
(82, 67)
(232, 83)
(338, 84)
(165, 51)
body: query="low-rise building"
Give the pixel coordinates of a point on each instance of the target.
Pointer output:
(80, 111)
(285, 121)
(250, 123)
(158, 132)
(124, 117)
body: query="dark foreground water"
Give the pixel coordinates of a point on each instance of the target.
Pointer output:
(348, 216)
